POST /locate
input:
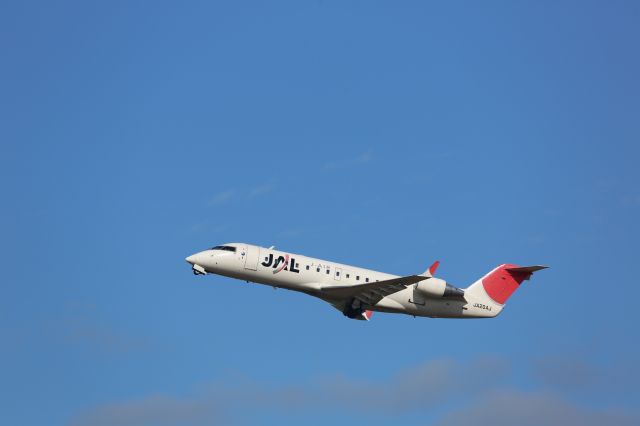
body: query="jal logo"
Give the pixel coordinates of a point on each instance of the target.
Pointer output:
(281, 263)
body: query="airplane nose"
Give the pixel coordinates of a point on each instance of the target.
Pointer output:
(191, 259)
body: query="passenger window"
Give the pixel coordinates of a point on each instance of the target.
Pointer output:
(337, 274)
(347, 275)
(317, 269)
(357, 277)
(307, 267)
(328, 271)
(367, 279)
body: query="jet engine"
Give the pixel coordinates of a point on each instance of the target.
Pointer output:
(437, 288)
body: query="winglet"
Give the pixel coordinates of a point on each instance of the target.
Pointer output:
(367, 315)
(432, 269)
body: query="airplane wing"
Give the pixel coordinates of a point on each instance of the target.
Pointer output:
(371, 293)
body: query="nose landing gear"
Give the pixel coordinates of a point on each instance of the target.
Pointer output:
(198, 270)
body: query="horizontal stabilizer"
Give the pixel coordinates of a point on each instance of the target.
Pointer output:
(529, 269)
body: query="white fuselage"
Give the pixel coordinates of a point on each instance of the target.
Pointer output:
(310, 275)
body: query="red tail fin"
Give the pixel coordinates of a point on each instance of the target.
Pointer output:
(505, 279)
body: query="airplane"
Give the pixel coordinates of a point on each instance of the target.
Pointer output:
(358, 292)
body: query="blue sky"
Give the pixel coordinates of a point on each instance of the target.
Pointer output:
(381, 134)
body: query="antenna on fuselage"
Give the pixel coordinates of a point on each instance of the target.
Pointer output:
(272, 247)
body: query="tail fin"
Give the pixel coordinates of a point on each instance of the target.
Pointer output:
(497, 286)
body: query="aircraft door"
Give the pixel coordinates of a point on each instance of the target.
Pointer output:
(251, 260)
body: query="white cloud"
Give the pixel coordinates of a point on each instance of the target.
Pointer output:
(246, 194)
(364, 158)
(425, 385)
(261, 189)
(479, 392)
(222, 197)
(507, 408)
(155, 410)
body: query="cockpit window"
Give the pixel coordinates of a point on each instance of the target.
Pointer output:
(225, 248)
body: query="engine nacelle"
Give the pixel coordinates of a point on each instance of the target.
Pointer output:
(437, 288)
(433, 287)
